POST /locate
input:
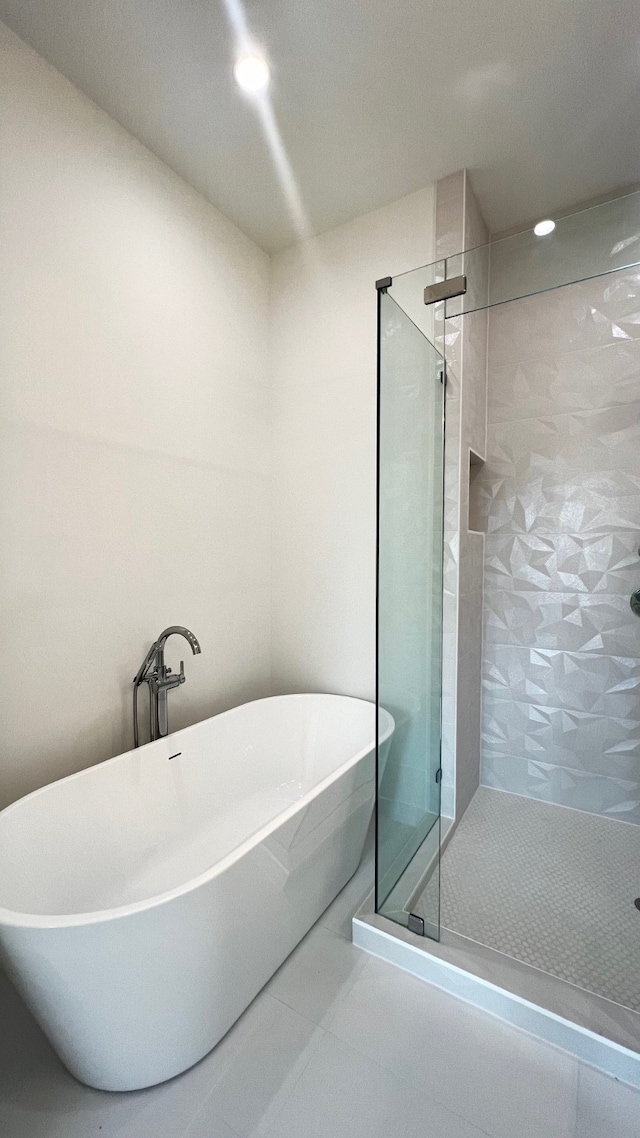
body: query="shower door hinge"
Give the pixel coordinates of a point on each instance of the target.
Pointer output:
(442, 374)
(384, 283)
(445, 290)
(415, 924)
(439, 774)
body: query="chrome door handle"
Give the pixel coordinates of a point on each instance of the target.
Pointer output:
(635, 602)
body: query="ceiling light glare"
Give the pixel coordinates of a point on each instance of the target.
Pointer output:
(251, 73)
(544, 227)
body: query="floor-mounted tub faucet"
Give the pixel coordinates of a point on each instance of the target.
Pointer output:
(154, 672)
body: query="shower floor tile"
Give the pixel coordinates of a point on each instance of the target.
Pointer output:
(551, 887)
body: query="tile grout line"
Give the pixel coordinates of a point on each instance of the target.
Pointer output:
(546, 417)
(401, 1079)
(318, 1035)
(518, 361)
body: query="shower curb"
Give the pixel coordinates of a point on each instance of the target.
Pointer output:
(388, 941)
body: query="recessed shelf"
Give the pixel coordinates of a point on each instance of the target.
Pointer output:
(475, 521)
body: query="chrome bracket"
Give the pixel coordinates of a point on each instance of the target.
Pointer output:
(445, 290)
(415, 924)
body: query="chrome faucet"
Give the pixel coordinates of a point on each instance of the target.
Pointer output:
(154, 672)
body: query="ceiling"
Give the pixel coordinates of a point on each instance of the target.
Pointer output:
(373, 99)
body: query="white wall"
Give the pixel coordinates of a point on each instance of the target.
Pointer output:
(134, 421)
(324, 391)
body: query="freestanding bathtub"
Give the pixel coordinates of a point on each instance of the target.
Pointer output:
(145, 901)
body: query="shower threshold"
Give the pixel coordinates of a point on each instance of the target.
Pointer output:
(594, 1029)
(531, 946)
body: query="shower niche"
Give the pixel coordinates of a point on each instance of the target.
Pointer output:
(476, 521)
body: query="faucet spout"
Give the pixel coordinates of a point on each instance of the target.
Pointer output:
(179, 630)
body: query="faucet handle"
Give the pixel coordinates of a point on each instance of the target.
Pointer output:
(182, 676)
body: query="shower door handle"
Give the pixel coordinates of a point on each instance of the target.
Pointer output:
(635, 602)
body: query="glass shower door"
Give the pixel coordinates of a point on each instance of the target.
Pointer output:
(409, 617)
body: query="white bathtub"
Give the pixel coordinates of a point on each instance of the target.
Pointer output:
(144, 902)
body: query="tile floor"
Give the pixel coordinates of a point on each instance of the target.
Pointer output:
(550, 886)
(339, 1045)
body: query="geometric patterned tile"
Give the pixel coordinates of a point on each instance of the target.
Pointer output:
(569, 621)
(577, 318)
(580, 441)
(572, 473)
(606, 795)
(599, 744)
(560, 493)
(580, 681)
(549, 385)
(581, 563)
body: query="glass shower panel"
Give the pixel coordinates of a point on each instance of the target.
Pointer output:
(583, 245)
(589, 243)
(409, 616)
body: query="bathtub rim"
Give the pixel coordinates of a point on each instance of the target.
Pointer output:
(11, 918)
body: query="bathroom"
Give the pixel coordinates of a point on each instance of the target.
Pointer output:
(432, 928)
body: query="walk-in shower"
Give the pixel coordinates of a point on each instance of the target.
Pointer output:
(508, 653)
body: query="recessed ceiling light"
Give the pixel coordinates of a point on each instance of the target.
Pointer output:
(544, 227)
(251, 72)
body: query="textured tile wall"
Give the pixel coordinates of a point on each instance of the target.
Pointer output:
(560, 495)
